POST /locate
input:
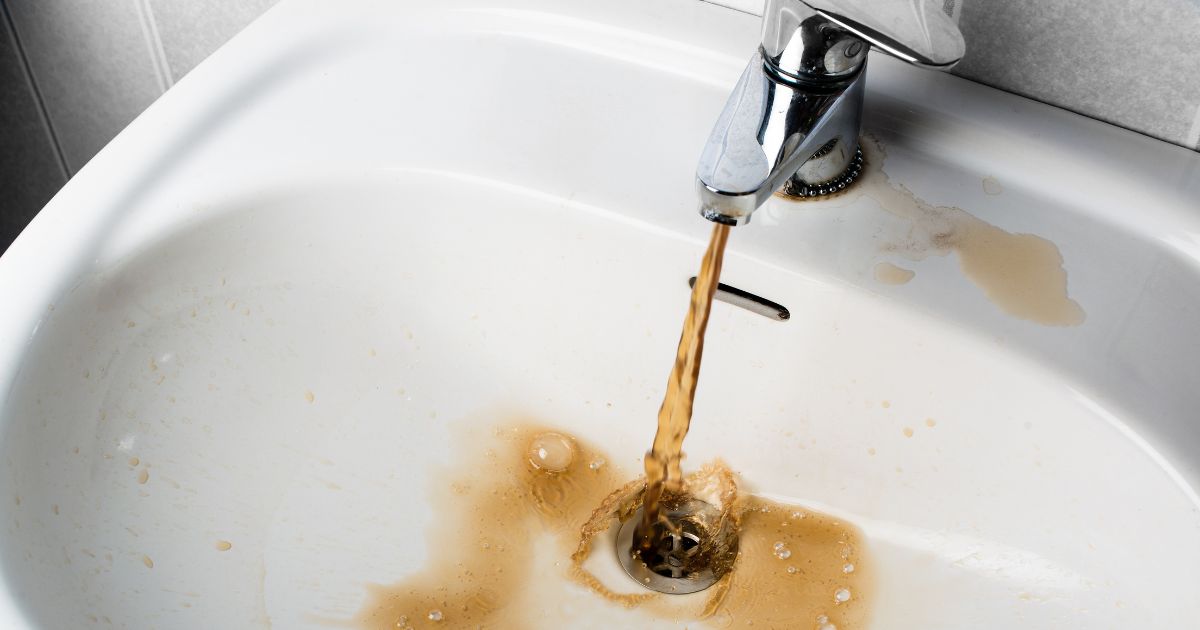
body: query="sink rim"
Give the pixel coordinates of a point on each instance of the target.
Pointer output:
(61, 244)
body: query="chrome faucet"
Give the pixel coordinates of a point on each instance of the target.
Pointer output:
(793, 118)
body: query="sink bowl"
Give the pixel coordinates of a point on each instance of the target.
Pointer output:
(239, 346)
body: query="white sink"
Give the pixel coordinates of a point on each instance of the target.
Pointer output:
(364, 228)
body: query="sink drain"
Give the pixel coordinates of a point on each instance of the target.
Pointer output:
(689, 555)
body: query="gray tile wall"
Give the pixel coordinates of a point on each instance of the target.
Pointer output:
(73, 73)
(191, 30)
(30, 167)
(1133, 63)
(89, 61)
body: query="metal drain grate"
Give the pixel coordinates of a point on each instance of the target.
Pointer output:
(688, 556)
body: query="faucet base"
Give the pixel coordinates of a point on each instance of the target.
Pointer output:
(798, 188)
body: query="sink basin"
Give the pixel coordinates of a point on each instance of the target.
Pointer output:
(238, 347)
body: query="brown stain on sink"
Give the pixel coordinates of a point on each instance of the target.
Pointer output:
(507, 527)
(490, 515)
(887, 273)
(1022, 274)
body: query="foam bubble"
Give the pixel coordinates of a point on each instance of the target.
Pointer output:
(551, 452)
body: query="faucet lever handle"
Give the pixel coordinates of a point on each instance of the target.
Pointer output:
(826, 40)
(916, 31)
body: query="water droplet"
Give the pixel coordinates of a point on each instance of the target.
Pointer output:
(597, 463)
(848, 568)
(841, 595)
(436, 615)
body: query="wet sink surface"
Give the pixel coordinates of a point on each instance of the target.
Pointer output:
(241, 342)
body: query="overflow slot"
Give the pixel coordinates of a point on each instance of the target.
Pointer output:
(749, 301)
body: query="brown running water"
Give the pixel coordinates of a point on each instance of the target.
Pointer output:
(662, 463)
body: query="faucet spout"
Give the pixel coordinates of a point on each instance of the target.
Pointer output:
(773, 131)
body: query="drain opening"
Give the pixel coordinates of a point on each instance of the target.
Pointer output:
(749, 301)
(688, 554)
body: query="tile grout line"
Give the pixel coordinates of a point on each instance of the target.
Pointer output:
(154, 46)
(43, 113)
(726, 6)
(1193, 136)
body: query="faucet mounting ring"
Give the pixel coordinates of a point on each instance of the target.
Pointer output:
(799, 189)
